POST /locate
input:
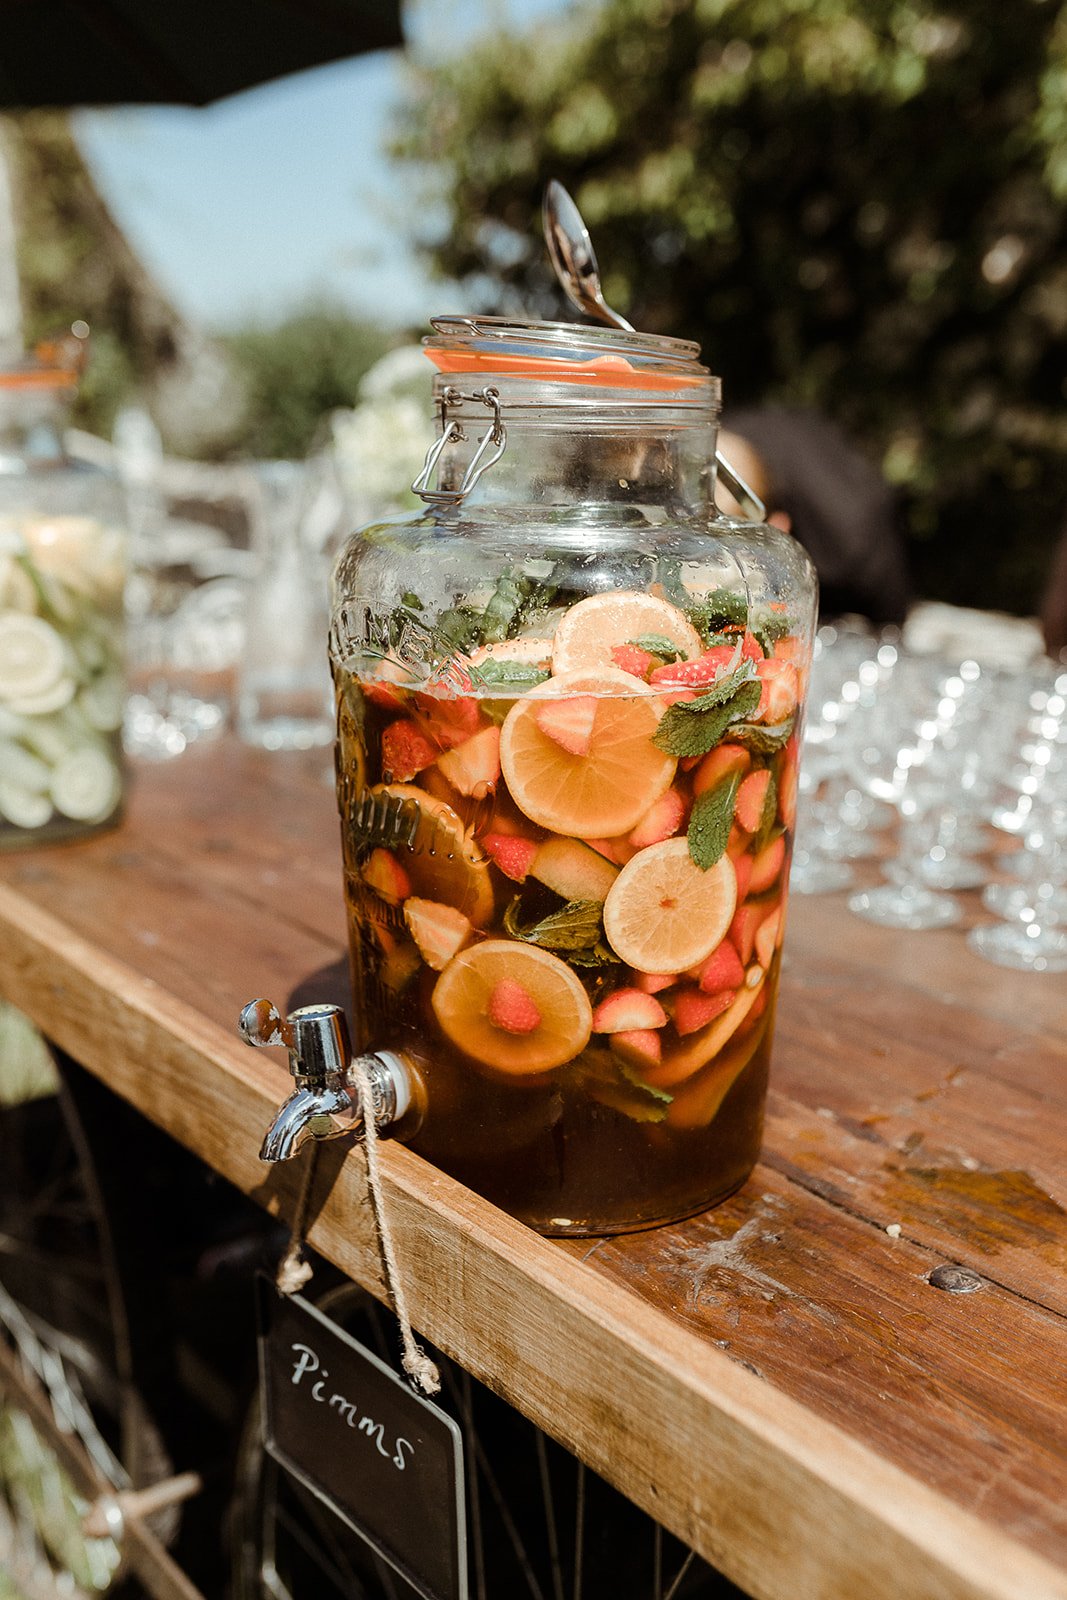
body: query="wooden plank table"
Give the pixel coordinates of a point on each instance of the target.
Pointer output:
(777, 1381)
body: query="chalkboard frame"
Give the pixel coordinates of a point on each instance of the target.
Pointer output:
(275, 1311)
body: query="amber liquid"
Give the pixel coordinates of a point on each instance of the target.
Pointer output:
(548, 1148)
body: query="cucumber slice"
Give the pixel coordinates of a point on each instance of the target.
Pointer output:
(85, 785)
(22, 770)
(22, 807)
(32, 658)
(39, 705)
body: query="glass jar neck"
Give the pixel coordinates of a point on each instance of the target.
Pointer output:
(657, 459)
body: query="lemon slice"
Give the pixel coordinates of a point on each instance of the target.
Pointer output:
(663, 913)
(590, 630)
(32, 659)
(85, 785)
(463, 1002)
(608, 788)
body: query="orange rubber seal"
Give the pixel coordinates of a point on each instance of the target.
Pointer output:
(601, 372)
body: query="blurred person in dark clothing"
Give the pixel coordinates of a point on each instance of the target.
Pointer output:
(818, 485)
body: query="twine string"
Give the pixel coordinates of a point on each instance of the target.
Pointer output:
(416, 1363)
(293, 1270)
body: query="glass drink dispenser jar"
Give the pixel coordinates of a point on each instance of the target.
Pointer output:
(568, 699)
(62, 573)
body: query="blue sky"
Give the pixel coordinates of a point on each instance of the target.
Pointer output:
(251, 207)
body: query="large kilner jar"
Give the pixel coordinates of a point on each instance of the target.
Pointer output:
(62, 572)
(568, 698)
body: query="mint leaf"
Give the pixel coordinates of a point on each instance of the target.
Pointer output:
(718, 610)
(657, 644)
(760, 739)
(711, 820)
(768, 813)
(411, 602)
(693, 727)
(606, 1079)
(575, 927)
(493, 674)
(720, 691)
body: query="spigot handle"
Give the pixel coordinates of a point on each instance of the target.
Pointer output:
(261, 1023)
(316, 1037)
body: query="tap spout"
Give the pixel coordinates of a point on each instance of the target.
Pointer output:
(326, 1101)
(311, 1112)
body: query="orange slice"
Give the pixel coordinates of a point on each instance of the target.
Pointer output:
(442, 861)
(607, 790)
(589, 631)
(663, 913)
(463, 994)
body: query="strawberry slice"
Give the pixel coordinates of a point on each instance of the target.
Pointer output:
(747, 919)
(767, 866)
(631, 658)
(383, 873)
(696, 674)
(693, 1009)
(748, 808)
(406, 751)
(653, 982)
(722, 970)
(779, 692)
(512, 1008)
(512, 853)
(640, 1048)
(449, 719)
(473, 767)
(627, 1010)
(439, 931)
(569, 722)
(720, 763)
(751, 649)
(663, 819)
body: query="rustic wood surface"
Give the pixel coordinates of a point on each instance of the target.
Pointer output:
(777, 1381)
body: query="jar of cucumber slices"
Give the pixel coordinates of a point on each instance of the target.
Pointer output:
(569, 697)
(62, 572)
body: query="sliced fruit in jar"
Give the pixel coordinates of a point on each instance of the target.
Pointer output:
(512, 853)
(572, 870)
(625, 1010)
(32, 658)
(440, 858)
(605, 791)
(439, 931)
(468, 997)
(664, 913)
(569, 722)
(700, 1048)
(85, 785)
(383, 873)
(406, 750)
(473, 767)
(590, 630)
(698, 1101)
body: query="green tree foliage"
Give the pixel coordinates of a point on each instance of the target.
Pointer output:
(856, 205)
(295, 372)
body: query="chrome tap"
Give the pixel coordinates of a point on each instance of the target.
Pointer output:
(325, 1103)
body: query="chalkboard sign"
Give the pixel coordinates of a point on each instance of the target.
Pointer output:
(385, 1460)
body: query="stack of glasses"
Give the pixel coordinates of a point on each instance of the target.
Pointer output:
(968, 767)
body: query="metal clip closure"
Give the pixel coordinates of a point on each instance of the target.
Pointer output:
(491, 447)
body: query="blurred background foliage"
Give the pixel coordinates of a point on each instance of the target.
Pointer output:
(854, 205)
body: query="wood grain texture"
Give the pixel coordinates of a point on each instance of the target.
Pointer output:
(777, 1381)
